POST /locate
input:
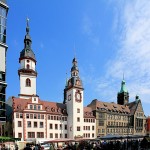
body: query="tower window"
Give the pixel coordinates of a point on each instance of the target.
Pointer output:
(28, 82)
(28, 66)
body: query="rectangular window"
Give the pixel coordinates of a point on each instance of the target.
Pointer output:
(78, 119)
(50, 126)
(34, 107)
(40, 134)
(56, 135)
(55, 118)
(78, 128)
(60, 126)
(92, 127)
(38, 116)
(78, 110)
(31, 134)
(21, 116)
(28, 124)
(35, 116)
(31, 116)
(92, 135)
(39, 107)
(56, 126)
(41, 125)
(17, 115)
(65, 118)
(35, 124)
(51, 117)
(42, 116)
(65, 127)
(103, 130)
(19, 124)
(19, 135)
(66, 136)
(51, 135)
(101, 123)
(31, 107)
(27, 116)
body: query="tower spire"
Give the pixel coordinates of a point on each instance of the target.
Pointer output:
(66, 78)
(27, 71)
(27, 27)
(74, 69)
(123, 95)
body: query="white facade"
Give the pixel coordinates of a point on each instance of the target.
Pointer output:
(2, 58)
(32, 120)
(27, 90)
(75, 114)
(29, 66)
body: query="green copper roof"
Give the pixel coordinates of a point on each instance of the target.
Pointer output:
(123, 87)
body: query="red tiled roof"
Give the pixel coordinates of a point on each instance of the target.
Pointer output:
(20, 104)
(88, 112)
(99, 105)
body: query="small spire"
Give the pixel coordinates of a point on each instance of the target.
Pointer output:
(27, 28)
(123, 75)
(123, 87)
(66, 79)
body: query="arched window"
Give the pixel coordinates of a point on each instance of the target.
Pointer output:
(28, 66)
(28, 82)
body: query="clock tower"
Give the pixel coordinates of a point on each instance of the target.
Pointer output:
(73, 98)
(27, 71)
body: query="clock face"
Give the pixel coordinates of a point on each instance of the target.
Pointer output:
(78, 97)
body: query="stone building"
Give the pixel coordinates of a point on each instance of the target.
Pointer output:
(123, 118)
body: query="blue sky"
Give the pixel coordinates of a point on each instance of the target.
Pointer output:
(109, 38)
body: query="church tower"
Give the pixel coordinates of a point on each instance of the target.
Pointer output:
(73, 98)
(27, 72)
(123, 95)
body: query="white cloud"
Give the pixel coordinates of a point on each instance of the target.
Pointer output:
(133, 55)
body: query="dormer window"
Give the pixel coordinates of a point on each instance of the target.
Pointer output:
(34, 107)
(28, 82)
(31, 107)
(39, 107)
